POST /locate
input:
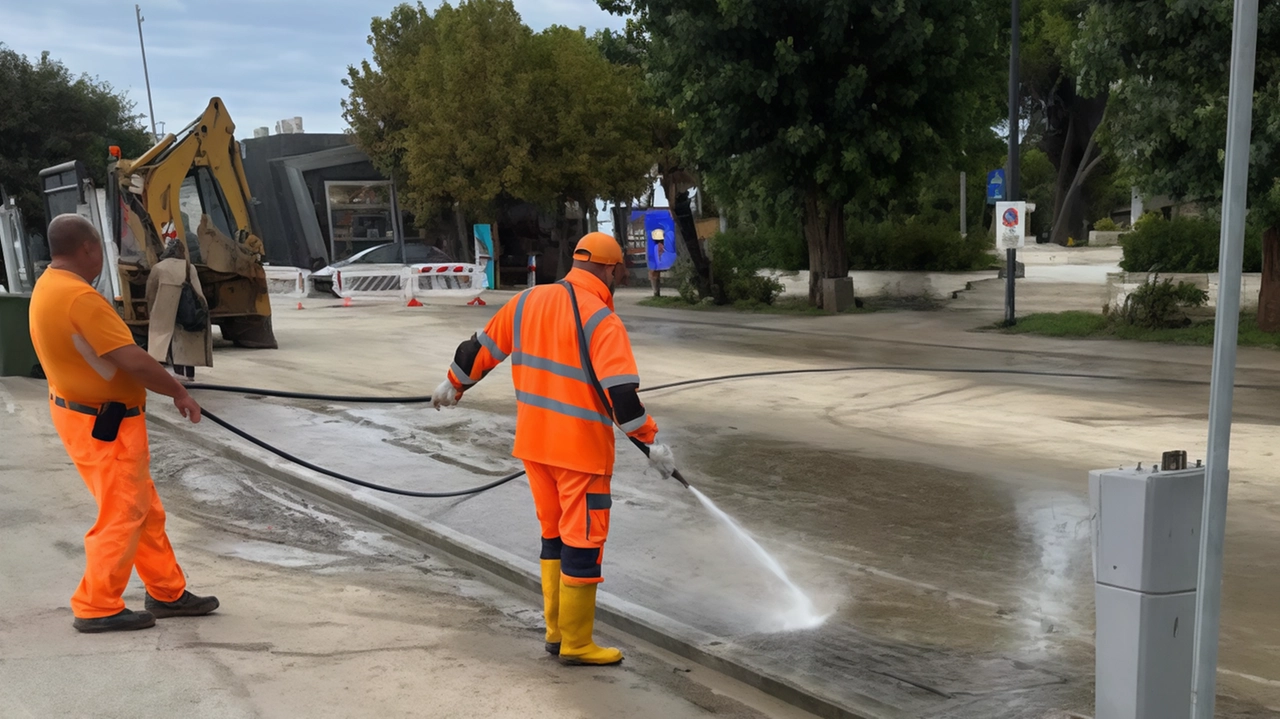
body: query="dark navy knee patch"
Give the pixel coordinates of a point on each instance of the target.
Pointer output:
(551, 548)
(580, 563)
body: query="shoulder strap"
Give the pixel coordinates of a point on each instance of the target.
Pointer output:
(584, 353)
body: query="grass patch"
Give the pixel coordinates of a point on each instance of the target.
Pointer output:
(674, 302)
(1060, 324)
(1082, 325)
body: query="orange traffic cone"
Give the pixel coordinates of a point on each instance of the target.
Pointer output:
(413, 302)
(346, 301)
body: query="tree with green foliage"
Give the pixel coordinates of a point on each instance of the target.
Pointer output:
(50, 117)
(1065, 121)
(1168, 68)
(820, 100)
(589, 116)
(630, 49)
(469, 109)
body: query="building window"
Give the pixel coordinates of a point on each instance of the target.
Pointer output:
(359, 216)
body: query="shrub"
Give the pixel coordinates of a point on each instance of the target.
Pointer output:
(774, 247)
(1183, 244)
(1106, 224)
(683, 276)
(916, 246)
(736, 261)
(1160, 304)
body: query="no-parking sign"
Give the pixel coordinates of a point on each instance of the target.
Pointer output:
(1011, 225)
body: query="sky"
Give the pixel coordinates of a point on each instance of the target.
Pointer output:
(267, 59)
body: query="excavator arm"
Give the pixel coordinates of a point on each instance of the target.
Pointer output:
(191, 187)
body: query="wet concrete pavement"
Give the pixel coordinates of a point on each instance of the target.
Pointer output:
(323, 614)
(941, 516)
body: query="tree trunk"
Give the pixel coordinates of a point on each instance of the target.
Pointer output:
(1071, 216)
(824, 233)
(687, 234)
(622, 233)
(1068, 166)
(1269, 295)
(461, 252)
(622, 223)
(559, 238)
(1073, 123)
(1069, 211)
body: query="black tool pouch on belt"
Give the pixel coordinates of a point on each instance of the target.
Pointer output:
(192, 315)
(107, 426)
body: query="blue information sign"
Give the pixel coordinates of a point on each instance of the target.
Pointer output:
(995, 186)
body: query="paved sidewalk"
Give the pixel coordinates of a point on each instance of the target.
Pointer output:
(322, 615)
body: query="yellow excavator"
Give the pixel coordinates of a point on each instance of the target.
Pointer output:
(191, 187)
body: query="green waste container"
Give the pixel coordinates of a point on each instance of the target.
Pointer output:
(17, 355)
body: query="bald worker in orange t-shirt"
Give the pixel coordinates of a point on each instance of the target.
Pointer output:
(98, 382)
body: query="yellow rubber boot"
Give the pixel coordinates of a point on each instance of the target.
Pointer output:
(551, 603)
(577, 620)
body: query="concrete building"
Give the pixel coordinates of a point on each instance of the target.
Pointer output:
(318, 199)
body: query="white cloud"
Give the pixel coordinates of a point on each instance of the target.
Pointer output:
(268, 59)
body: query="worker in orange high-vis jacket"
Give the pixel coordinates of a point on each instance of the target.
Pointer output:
(567, 404)
(98, 382)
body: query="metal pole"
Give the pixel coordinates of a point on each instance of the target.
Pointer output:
(146, 75)
(396, 230)
(1011, 182)
(1235, 186)
(964, 207)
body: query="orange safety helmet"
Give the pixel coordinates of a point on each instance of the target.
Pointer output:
(599, 248)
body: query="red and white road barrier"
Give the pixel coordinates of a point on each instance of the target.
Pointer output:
(291, 282)
(425, 283)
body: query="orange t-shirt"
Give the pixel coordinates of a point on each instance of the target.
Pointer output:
(72, 327)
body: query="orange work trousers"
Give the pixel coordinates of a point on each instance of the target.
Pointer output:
(129, 532)
(573, 509)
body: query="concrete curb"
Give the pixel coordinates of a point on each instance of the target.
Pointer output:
(645, 624)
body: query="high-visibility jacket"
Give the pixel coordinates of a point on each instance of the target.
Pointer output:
(559, 418)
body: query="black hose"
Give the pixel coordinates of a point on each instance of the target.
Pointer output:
(939, 370)
(745, 375)
(304, 395)
(345, 478)
(671, 385)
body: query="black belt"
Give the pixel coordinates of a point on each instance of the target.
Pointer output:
(90, 410)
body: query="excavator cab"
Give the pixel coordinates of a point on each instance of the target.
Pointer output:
(191, 187)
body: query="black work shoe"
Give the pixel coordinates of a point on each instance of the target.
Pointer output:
(188, 605)
(553, 648)
(122, 622)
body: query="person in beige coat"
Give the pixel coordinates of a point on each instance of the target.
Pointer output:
(168, 342)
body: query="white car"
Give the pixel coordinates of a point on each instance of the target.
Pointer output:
(387, 256)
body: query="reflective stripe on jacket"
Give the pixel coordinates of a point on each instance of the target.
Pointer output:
(559, 418)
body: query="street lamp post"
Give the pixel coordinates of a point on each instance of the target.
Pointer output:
(146, 75)
(1235, 186)
(1011, 182)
